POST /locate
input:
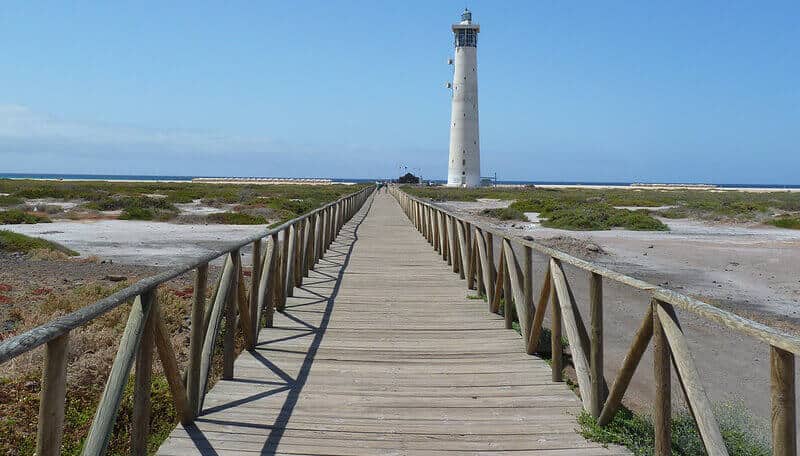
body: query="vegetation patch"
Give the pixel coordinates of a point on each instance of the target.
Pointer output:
(505, 213)
(18, 217)
(6, 200)
(15, 242)
(792, 222)
(131, 198)
(237, 218)
(717, 205)
(743, 436)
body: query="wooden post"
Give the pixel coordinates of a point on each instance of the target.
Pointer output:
(508, 298)
(255, 277)
(490, 256)
(196, 339)
(662, 407)
(269, 303)
(140, 421)
(52, 399)
(228, 343)
(596, 356)
(289, 262)
(105, 416)
(556, 362)
(784, 427)
(527, 277)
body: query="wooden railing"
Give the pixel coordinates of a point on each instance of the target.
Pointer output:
(469, 248)
(281, 258)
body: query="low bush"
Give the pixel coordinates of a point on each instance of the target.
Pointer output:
(6, 200)
(236, 218)
(792, 222)
(16, 217)
(505, 213)
(743, 435)
(15, 242)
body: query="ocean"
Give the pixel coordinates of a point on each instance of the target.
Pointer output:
(141, 177)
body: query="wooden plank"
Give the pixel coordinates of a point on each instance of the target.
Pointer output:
(140, 417)
(169, 362)
(494, 304)
(463, 254)
(433, 374)
(596, 356)
(517, 280)
(557, 353)
(538, 316)
(698, 401)
(662, 405)
(104, 417)
(196, 335)
(255, 279)
(228, 341)
(52, 399)
(784, 416)
(640, 341)
(576, 346)
(484, 262)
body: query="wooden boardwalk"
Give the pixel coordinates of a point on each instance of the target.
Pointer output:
(380, 352)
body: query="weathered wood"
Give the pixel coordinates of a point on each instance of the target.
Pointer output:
(527, 289)
(463, 254)
(289, 263)
(489, 240)
(640, 341)
(196, 335)
(229, 341)
(557, 355)
(596, 357)
(662, 405)
(494, 304)
(169, 362)
(255, 281)
(484, 262)
(517, 282)
(400, 383)
(264, 293)
(782, 389)
(698, 402)
(577, 348)
(538, 316)
(140, 419)
(243, 307)
(52, 399)
(473, 266)
(508, 296)
(104, 417)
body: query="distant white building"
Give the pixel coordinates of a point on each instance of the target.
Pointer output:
(464, 168)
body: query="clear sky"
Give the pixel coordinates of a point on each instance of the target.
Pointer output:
(599, 91)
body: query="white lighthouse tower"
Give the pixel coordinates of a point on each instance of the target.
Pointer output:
(464, 169)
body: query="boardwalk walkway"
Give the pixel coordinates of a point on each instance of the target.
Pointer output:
(380, 352)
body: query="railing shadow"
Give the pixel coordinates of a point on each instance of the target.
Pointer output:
(348, 237)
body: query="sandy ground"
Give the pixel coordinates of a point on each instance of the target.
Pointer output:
(138, 242)
(753, 271)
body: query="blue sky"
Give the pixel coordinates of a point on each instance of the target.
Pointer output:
(598, 91)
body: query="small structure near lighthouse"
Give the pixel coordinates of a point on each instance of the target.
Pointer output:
(464, 168)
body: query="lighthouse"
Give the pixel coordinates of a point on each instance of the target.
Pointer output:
(464, 168)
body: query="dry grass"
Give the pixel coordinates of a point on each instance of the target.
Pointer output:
(92, 349)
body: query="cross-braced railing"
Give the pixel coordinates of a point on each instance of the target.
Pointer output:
(469, 248)
(281, 258)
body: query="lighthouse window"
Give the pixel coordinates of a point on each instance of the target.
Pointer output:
(463, 161)
(463, 173)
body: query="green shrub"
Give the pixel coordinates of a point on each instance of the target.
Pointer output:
(15, 242)
(786, 222)
(9, 200)
(236, 218)
(743, 435)
(136, 213)
(16, 217)
(505, 213)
